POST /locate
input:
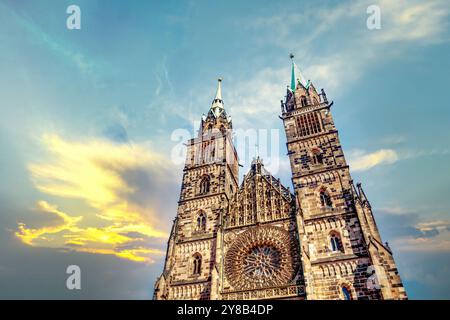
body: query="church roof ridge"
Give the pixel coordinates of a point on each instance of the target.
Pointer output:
(270, 178)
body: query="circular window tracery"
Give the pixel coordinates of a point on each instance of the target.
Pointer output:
(262, 262)
(261, 257)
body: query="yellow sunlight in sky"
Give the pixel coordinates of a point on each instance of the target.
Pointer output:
(93, 173)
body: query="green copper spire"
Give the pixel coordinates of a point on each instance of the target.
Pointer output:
(293, 73)
(308, 83)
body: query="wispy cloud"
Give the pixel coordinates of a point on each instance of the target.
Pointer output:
(68, 223)
(397, 210)
(257, 101)
(405, 23)
(433, 227)
(438, 241)
(163, 79)
(416, 153)
(73, 55)
(105, 178)
(411, 231)
(362, 161)
(414, 21)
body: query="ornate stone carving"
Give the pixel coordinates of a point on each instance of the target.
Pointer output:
(263, 256)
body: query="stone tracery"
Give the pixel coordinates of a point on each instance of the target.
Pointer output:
(261, 257)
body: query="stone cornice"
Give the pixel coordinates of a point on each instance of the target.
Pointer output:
(306, 109)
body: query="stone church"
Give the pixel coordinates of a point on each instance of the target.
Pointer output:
(255, 239)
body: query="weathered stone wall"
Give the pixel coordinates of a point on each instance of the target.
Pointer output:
(334, 239)
(320, 243)
(209, 180)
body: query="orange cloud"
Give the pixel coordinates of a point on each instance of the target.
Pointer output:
(93, 173)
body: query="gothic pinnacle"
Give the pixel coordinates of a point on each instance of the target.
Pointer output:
(219, 89)
(218, 102)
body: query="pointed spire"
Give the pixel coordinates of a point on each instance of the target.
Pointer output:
(362, 195)
(292, 73)
(219, 90)
(217, 104)
(300, 79)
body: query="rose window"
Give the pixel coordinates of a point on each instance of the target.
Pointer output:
(262, 263)
(260, 257)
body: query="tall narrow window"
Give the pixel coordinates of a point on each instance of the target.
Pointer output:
(204, 185)
(346, 293)
(213, 148)
(335, 242)
(325, 199)
(209, 129)
(208, 150)
(201, 222)
(197, 264)
(303, 101)
(233, 220)
(317, 156)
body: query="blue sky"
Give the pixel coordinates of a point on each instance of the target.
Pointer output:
(87, 118)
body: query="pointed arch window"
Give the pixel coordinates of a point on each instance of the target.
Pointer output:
(201, 221)
(346, 293)
(233, 220)
(317, 156)
(204, 185)
(303, 101)
(335, 242)
(209, 128)
(197, 264)
(325, 199)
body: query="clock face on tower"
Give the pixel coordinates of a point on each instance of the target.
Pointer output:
(261, 257)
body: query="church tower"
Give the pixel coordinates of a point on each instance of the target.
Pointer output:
(343, 255)
(210, 180)
(258, 240)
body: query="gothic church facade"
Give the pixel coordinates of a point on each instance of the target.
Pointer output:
(256, 239)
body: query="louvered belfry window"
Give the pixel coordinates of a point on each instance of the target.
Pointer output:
(308, 124)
